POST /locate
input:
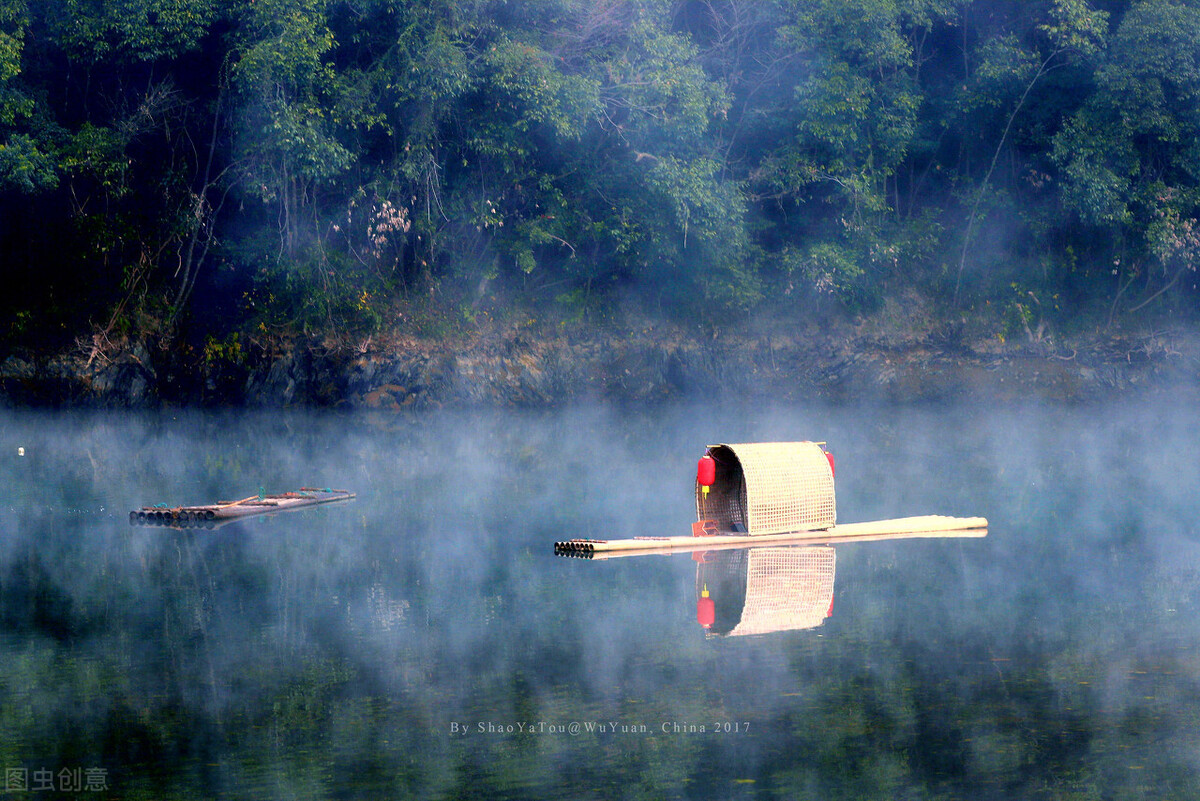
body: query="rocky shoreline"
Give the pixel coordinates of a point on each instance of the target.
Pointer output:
(521, 370)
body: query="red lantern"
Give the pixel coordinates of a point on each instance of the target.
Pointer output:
(829, 456)
(706, 610)
(706, 471)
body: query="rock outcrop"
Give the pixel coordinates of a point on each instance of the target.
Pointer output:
(526, 371)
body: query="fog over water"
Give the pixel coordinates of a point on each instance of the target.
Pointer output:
(385, 646)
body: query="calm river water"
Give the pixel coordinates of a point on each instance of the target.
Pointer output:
(423, 640)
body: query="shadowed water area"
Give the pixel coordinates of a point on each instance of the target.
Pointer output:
(423, 640)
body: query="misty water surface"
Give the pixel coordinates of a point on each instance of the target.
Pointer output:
(423, 641)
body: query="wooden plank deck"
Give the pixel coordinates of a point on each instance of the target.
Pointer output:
(897, 528)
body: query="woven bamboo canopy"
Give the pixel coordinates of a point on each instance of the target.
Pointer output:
(769, 488)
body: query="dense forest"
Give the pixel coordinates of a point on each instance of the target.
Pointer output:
(213, 168)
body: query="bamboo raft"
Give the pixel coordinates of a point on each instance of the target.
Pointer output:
(926, 526)
(213, 515)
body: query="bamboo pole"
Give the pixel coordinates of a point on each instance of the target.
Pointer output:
(223, 504)
(926, 526)
(257, 505)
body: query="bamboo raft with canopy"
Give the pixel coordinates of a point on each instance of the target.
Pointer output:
(770, 493)
(211, 516)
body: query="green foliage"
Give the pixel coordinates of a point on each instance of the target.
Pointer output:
(1076, 27)
(522, 82)
(24, 167)
(316, 290)
(857, 107)
(1096, 168)
(12, 41)
(99, 154)
(131, 30)
(655, 91)
(25, 164)
(1005, 69)
(712, 155)
(828, 267)
(224, 351)
(290, 88)
(1128, 156)
(709, 217)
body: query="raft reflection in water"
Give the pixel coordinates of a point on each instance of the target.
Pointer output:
(763, 590)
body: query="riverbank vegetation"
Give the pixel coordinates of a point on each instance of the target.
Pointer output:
(210, 171)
